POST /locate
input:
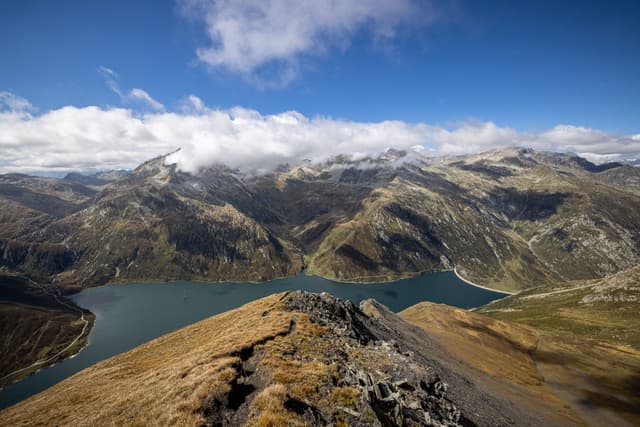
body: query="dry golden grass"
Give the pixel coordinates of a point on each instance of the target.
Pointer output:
(589, 381)
(495, 348)
(170, 380)
(300, 366)
(163, 382)
(293, 364)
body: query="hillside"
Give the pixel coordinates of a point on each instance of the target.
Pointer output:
(508, 219)
(157, 224)
(594, 380)
(37, 327)
(605, 309)
(300, 358)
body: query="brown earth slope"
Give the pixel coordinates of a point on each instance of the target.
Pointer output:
(594, 382)
(290, 359)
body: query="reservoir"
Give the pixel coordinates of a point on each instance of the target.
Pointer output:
(129, 315)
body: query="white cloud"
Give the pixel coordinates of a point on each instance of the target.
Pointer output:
(72, 138)
(248, 36)
(111, 79)
(142, 95)
(133, 96)
(15, 103)
(193, 104)
(108, 72)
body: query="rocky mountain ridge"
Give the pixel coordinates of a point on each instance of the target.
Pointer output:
(294, 358)
(311, 359)
(508, 219)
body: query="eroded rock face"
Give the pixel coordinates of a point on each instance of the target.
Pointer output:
(398, 393)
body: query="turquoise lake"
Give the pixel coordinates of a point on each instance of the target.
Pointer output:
(129, 315)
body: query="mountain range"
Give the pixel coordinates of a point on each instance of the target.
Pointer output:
(508, 219)
(559, 232)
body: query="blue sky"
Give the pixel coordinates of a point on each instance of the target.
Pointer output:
(528, 66)
(524, 64)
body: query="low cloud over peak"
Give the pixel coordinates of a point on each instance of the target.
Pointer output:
(72, 138)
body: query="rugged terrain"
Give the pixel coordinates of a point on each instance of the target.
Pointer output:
(300, 358)
(509, 219)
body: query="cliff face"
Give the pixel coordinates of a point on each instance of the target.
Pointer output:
(295, 359)
(509, 219)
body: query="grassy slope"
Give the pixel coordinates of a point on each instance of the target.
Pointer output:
(165, 381)
(506, 222)
(33, 333)
(605, 309)
(594, 381)
(198, 375)
(179, 378)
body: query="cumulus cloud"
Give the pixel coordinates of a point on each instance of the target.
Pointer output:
(133, 96)
(72, 138)
(249, 36)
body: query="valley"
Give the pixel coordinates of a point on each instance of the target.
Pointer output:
(282, 213)
(558, 233)
(132, 314)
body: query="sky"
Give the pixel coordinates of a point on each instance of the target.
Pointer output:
(254, 83)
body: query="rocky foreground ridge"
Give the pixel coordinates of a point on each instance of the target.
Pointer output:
(300, 359)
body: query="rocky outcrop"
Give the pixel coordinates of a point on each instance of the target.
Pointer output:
(401, 374)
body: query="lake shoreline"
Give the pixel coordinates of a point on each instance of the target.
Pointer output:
(387, 279)
(142, 311)
(305, 273)
(469, 282)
